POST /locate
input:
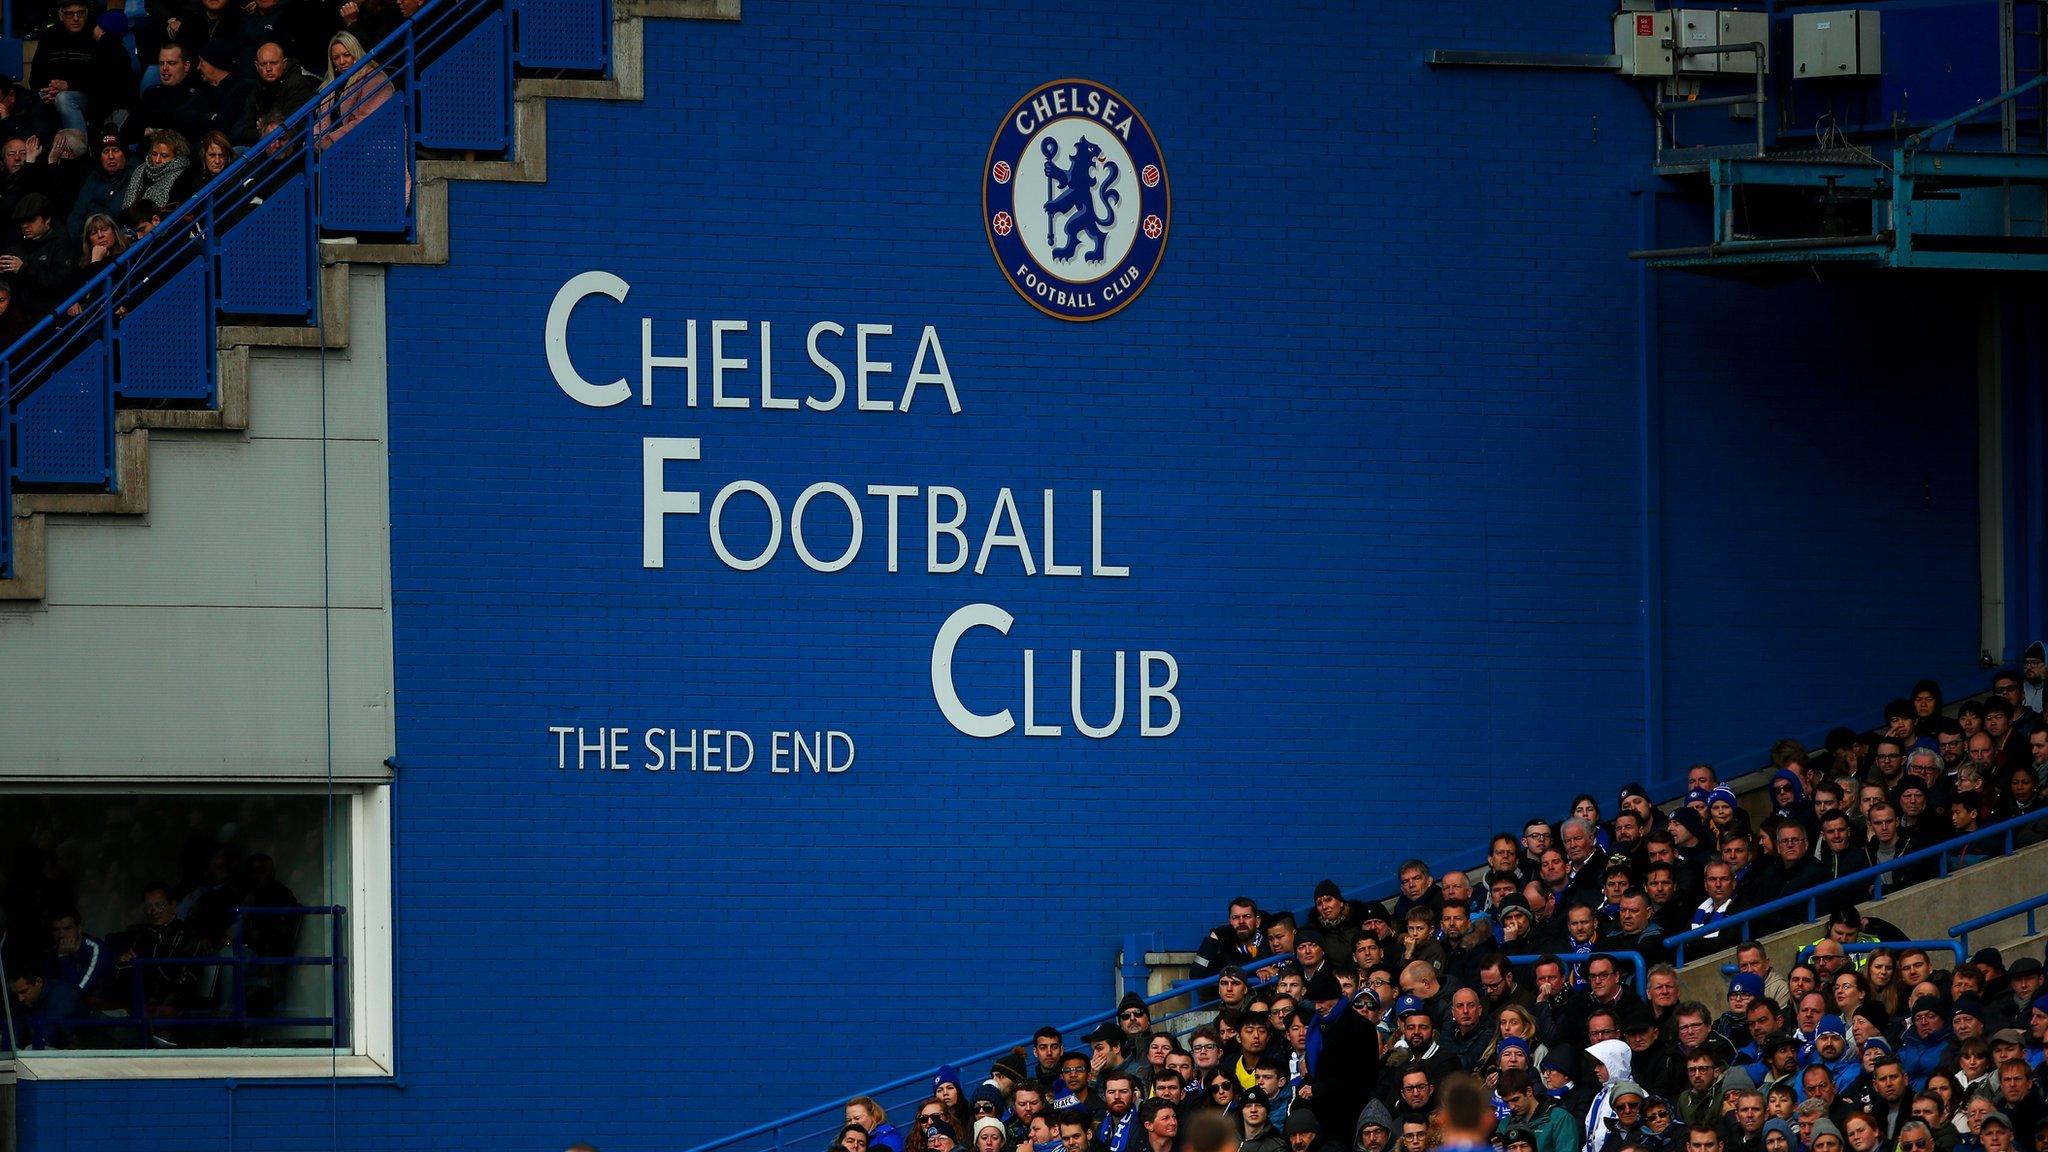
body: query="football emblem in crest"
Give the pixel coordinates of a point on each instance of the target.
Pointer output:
(1076, 200)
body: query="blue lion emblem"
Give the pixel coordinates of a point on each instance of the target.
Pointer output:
(1073, 189)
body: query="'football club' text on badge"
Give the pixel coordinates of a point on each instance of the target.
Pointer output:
(1076, 200)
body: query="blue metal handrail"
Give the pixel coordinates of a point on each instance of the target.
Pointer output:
(1635, 960)
(1962, 931)
(1923, 136)
(774, 1128)
(1861, 946)
(1873, 875)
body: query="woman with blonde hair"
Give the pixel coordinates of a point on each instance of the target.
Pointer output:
(365, 92)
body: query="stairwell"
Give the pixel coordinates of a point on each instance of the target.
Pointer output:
(38, 516)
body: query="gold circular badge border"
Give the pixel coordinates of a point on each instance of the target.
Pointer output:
(1165, 180)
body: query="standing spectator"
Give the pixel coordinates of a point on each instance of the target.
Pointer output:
(281, 88)
(80, 73)
(202, 21)
(175, 102)
(300, 28)
(370, 21)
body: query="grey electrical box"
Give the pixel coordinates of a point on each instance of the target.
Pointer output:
(1709, 28)
(1697, 28)
(1839, 43)
(1746, 28)
(1642, 40)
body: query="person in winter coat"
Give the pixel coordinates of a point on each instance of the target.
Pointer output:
(1342, 1052)
(1928, 1039)
(83, 77)
(1255, 1133)
(1375, 1129)
(1611, 1065)
(42, 264)
(1555, 1129)
(157, 179)
(281, 88)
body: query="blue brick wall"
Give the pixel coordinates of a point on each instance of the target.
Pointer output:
(1370, 443)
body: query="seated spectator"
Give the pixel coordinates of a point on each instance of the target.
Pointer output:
(226, 93)
(20, 174)
(166, 989)
(215, 154)
(19, 114)
(160, 179)
(41, 263)
(13, 321)
(175, 103)
(365, 92)
(82, 74)
(300, 29)
(105, 188)
(65, 168)
(281, 88)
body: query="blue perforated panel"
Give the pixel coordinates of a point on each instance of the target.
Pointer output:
(166, 342)
(465, 97)
(365, 175)
(6, 492)
(67, 426)
(572, 34)
(266, 258)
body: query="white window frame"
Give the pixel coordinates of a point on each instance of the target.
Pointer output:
(372, 1051)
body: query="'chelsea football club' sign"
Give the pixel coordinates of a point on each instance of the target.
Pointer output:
(1076, 201)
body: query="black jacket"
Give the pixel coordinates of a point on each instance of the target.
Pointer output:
(97, 67)
(286, 96)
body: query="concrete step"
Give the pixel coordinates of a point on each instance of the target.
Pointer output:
(330, 328)
(1924, 911)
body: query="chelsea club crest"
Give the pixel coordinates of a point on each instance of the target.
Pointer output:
(1076, 201)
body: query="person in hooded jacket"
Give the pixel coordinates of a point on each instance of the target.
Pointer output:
(1567, 1084)
(1789, 800)
(1612, 1065)
(1375, 1129)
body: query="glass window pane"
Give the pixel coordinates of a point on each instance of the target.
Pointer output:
(157, 921)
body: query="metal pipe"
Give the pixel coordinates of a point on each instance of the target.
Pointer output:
(1738, 246)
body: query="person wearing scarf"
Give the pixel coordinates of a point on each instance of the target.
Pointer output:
(156, 178)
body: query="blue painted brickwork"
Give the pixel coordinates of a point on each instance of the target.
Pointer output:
(1370, 446)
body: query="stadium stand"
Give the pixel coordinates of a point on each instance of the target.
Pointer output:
(1725, 968)
(1557, 972)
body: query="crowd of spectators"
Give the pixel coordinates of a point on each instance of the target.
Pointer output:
(122, 115)
(69, 988)
(1348, 1027)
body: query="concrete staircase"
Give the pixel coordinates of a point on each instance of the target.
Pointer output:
(1925, 911)
(32, 511)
